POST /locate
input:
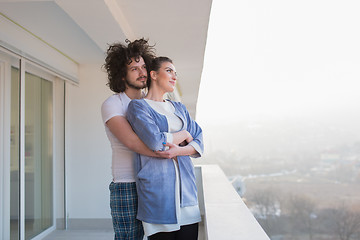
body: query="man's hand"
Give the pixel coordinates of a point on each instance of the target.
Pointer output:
(173, 151)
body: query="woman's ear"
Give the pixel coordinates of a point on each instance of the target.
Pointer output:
(153, 75)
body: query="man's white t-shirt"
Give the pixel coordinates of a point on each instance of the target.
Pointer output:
(122, 157)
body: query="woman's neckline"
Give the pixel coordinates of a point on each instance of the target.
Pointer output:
(163, 101)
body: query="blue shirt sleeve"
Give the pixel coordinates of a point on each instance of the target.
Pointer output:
(196, 132)
(144, 126)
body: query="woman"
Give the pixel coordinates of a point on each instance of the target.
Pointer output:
(167, 193)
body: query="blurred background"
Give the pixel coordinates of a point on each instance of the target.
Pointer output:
(279, 104)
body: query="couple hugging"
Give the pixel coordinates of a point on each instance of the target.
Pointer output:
(153, 191)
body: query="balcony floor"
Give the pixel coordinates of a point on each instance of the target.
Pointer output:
(80, 235)
(94, 234)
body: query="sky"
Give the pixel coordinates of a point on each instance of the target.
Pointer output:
(281, 61)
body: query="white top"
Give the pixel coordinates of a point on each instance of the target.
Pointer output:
(185, 215)
(122, 158)
(168, 110)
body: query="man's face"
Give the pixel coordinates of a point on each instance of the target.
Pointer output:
(136, 76)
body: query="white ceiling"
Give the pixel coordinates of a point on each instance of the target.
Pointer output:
(82, 29)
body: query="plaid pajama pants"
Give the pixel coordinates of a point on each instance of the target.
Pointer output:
(123, 204)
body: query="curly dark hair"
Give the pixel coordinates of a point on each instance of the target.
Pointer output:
(120, 55)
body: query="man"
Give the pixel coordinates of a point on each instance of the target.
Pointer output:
(127, 76)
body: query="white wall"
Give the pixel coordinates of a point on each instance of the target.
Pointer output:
(88, 152)
(59, 147)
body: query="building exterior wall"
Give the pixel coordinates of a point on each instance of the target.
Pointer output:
(88, 152)
(59, 155)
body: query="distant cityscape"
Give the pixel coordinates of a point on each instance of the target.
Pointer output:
(303, 190)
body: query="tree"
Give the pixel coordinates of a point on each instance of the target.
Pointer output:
(265, 206)
(301, 211)
(346, 222)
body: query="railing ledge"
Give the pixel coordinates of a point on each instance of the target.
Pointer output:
(225, 214)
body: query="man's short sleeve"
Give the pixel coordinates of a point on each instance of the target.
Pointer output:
(112, 107)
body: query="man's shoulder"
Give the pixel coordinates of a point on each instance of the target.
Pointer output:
(114, 101)
(111, 107)
(112, 98)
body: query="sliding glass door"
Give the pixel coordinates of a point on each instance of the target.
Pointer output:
(15, 153)
(38, 155)
(28, 168)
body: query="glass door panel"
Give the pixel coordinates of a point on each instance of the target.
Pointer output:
(14, 153)
(38, 155)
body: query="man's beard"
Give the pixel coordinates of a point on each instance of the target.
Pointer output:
(134, 86)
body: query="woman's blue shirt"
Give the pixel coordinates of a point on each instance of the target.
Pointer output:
(155, 177)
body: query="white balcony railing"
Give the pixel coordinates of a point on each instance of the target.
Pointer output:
(225, 216)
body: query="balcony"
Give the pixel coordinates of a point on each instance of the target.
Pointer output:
(224, 214)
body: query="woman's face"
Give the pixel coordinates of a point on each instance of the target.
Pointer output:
(166, 77)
